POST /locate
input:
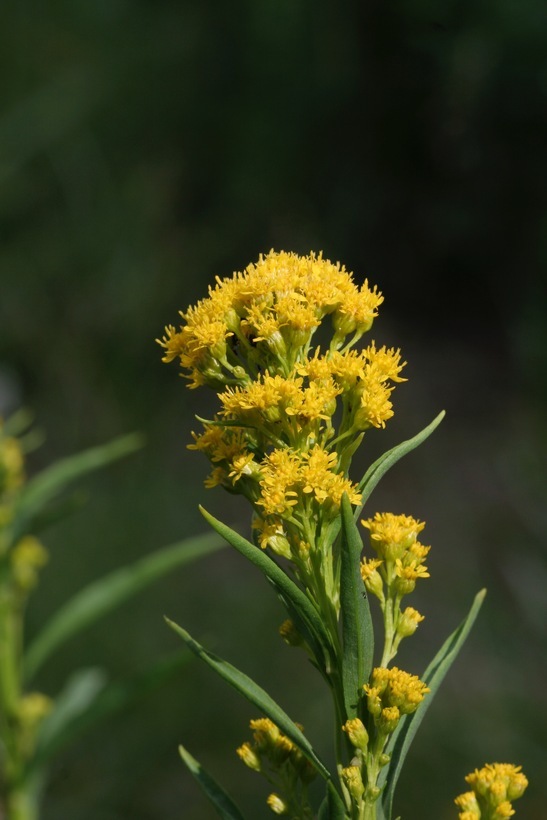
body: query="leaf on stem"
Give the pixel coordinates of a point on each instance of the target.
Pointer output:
(380, 467)
(44, 487)
(100, 597)
(332, 807)
(88, 699)
(357, 631)
(222, 801)
(433, 676)
(255, 695)
(302, 611)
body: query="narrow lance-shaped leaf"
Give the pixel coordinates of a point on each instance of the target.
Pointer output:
(357, 632)
(433, 676)
(255, 694)
(380, 467)
(222, 801)
(88, 699)
(301, 609)
(102, 596)
(332, 807)
(41, 489)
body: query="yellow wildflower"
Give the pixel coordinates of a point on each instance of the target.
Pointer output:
(393, 687)
(277, 804)
(408, 622)
(357, 733)
(354, 781)
(392, 535)
(357, 310)
(371, 577)
(494, 786)
(248, 755)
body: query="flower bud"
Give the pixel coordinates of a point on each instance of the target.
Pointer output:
(277, 804)
(408, 622)
(354, 781)
(357, 734)
(248, 755)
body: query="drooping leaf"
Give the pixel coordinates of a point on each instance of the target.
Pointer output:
(103, 595)
(45, 486)
(88, 699)
(80, 690)
(357, 631)
(222, 801)
(380, 467)
(433, 676)
(332, 807)
(306, 617)
(255, 695)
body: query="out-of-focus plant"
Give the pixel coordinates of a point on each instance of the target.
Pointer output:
(290, 420)
(33, 725)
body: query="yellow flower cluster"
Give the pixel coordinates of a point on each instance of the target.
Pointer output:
(495, 786)
(390, 694)
(266, 317)
(275, 755)
(290, 418)
(400, 555)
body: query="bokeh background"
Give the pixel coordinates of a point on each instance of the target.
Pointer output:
(146, 147)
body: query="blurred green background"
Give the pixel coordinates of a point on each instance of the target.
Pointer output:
(146, 147)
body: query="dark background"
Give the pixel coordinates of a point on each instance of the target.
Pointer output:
(146, 147)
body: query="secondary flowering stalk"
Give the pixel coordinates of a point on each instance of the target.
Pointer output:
(20, 713)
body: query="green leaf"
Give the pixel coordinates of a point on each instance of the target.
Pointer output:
(222, 801)
(41, 489)
(357, 632)
(433, 676)
(255, 694)
(332, 807)
(102, 596)
(307, 619)
(88, 700)
(380, 467)
(80, 690)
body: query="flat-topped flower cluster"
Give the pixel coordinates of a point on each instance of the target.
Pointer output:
(291, 416)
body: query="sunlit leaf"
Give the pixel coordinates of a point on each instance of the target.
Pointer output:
(222, 801)
(255, 695)
(380, 467)
(307, 619)
(357, 631)
(433, 676)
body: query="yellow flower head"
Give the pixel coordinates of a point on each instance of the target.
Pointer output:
(506, 781)
(272, 310)
(277, 804)
(357, 733)
(354, 781)
(392, 535)
(394, 687)
(249, 756)
(408, 622)
(372, 578)
(494, 786)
